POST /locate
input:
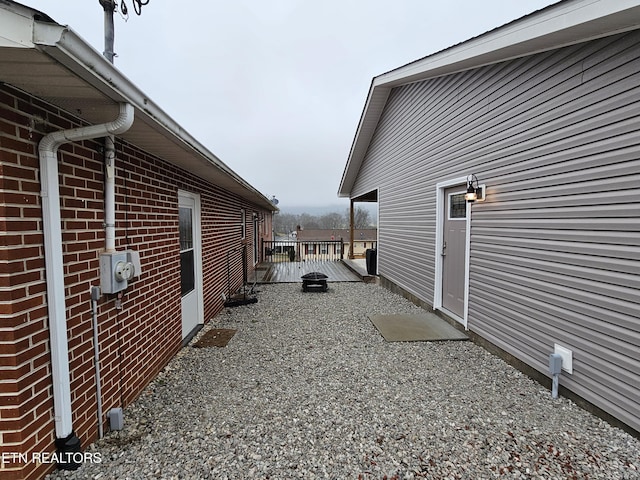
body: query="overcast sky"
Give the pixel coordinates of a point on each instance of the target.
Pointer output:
(275, 88)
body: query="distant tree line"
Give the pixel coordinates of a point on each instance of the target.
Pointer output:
(284, 223)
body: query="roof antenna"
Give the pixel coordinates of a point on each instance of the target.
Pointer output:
(109, 7)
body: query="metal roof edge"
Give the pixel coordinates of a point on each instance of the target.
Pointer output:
(561, 24)
(16, 31)
(68, 48)
(375, 98)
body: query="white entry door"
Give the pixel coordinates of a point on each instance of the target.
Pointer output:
(454, 250)
(190, 262)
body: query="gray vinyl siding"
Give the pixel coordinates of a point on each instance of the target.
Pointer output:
(555, 249)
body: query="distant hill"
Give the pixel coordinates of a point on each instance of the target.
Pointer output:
(318, 210)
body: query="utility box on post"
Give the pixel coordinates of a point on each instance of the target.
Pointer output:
(115, 272)
(555, 363)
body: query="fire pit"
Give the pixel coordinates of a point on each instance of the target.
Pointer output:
(315, 280)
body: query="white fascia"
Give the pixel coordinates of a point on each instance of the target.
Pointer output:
(68, 48)
(565, 23)
(16, 30)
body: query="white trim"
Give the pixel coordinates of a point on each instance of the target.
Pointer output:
(564, 23)
(67, 48)
(467, 258)
(197, 247)
(378, 232)
(255, 225)
(437, 284)
(559, 25)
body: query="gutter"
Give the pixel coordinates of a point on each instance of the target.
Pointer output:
(69, 49)
(66, 440)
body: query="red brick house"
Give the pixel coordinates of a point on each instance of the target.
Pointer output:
(153, 219)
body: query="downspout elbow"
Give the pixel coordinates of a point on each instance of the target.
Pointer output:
(54, 265)
(50, 143)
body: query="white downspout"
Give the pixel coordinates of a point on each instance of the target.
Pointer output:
(48, 149)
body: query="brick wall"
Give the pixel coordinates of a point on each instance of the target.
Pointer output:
(25, 386)
(136, 340)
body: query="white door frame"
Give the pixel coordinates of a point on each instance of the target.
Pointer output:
(437, 289)
(197, 246)
(378, 231)
(256, 237)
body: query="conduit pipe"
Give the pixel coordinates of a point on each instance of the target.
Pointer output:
(109, 194)
(54, 264)
(95, 296)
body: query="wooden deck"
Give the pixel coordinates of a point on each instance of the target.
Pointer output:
(290, 272)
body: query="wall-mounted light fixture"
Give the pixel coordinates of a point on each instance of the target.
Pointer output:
(475, 192)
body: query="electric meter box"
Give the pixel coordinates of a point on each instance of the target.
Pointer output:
(115, 271)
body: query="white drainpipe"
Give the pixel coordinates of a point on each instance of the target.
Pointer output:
(54, 264)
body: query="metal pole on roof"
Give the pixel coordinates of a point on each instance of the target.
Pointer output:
(109, 7)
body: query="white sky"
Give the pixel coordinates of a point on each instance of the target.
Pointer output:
(275, 89)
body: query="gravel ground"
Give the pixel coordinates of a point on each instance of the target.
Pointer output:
(307, 388)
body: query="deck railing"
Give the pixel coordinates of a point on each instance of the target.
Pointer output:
(299, 251)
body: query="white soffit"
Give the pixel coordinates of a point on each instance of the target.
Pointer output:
(53, 63)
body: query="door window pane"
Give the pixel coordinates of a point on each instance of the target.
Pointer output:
(457, 206)
(187, 266)
(186, 228)
(187, 280)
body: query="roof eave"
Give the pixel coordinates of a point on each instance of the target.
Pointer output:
(68, 49)
(562, 24)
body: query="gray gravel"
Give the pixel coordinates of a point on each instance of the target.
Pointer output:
(307, 388)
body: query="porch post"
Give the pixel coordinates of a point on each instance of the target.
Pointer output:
(351, 230)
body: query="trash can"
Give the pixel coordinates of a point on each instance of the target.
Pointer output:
(372, 261)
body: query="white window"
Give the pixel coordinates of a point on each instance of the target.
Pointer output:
(243, 223)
